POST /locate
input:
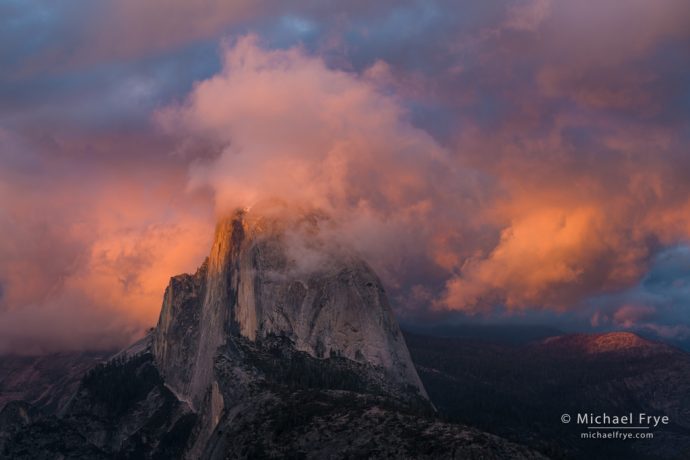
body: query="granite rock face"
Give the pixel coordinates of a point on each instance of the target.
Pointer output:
(255, 285)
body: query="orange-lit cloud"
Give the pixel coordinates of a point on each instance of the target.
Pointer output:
(84, 257)
(557, 227)
(513, 156)
(320, 136)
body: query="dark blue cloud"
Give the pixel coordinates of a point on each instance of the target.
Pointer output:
(659, 306)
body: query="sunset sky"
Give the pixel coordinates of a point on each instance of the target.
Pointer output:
(504, 161)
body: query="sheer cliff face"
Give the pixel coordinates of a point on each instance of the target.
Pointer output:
(255, 284)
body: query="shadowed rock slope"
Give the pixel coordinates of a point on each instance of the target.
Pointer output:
(46, 381)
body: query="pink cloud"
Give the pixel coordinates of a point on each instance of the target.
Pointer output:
(629, 316)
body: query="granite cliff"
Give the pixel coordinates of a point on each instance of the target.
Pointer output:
(251, 286)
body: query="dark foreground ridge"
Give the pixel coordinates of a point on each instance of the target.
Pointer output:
(287, 405)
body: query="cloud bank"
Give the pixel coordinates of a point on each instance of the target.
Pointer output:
(498, 160)
(289, 128)
(551, 222)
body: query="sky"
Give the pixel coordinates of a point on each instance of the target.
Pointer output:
(513, 162)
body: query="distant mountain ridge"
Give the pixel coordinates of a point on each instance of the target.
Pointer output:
(610, 342)
(46, 381)
(520, 391)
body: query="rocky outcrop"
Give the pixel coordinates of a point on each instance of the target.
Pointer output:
(276, 277)
(254, 285)
(176, 338)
